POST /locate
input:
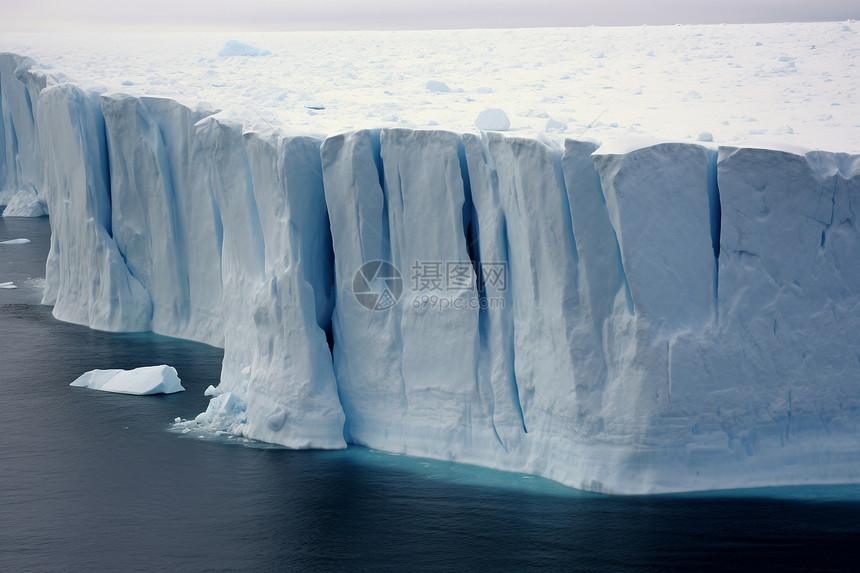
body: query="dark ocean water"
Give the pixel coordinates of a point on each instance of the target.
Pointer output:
(92, 481)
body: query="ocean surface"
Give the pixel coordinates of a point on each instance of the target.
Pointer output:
(93, 481)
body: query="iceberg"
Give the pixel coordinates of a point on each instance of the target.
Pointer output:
(637, 317)
(140, 381)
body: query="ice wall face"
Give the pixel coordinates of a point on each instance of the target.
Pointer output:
(276, 264)
(658, 203)
(777, 380)
(167, 220)
(163, 215)
(21, 170)
(660, 318)
(86, 278)
(228, 233)
(54, 157)
(541, 355)
(398, 196)
(627, 352)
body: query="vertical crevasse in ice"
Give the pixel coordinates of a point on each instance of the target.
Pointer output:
(541, 355)
(397, 196)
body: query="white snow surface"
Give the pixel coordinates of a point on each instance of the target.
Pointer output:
(143, 381)
(794, 82)
(670, 315)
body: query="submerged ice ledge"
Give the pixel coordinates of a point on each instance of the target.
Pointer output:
(661, 317)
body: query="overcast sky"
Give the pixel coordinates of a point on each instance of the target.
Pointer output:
(46, 15)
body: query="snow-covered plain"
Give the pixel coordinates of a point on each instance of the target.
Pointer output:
(794, 82)
(672, 315)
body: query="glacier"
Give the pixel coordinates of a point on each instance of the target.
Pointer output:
(627, 318)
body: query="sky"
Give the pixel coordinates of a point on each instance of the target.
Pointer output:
(276, 15)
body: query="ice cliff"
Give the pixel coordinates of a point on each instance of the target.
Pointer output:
(649, 318)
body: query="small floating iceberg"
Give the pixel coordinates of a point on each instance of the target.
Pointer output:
(140, 381)
(15, 242)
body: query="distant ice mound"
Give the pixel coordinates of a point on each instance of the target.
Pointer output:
(25, 203)
(140, 381)
(435, 86)
(493, 120)
(237, 48)
(555, 126)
